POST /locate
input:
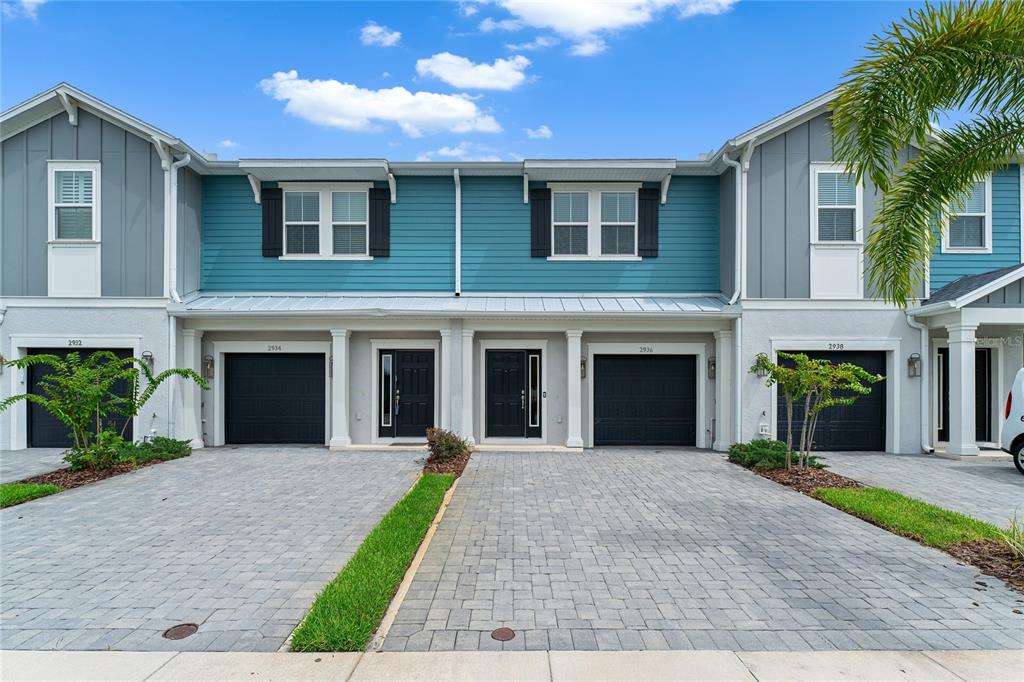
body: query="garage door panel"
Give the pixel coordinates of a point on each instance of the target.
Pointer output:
(645, 400)
(275, 398)
(856, 427)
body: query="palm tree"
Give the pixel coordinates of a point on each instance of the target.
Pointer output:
(966, 58)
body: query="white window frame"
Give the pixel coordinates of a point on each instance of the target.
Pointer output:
(858, 218)
(52, 167)
(986, 215)
(326, 224)
(594, 219)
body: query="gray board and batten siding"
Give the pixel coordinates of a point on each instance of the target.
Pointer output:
(131, 205)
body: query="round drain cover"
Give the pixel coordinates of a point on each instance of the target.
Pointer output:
(503, 634)
(181, 631)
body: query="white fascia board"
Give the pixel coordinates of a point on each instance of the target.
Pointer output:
(966, 299)
(785, 121)
(315, 169)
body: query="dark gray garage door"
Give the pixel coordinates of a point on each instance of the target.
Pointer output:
(45, 430)
(645, 400)
(274, 398)
(860, 426)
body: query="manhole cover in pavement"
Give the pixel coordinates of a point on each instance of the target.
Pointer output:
(503, 634)
(181, 631)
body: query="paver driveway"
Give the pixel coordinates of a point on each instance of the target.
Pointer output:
(238, 540)
(988, 490)
(18, 464)
(621, 549)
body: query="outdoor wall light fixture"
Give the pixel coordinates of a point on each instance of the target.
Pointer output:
(761, 372)
(207, 366)
(583, 367)
(147, 357)
(914, 365)
(712, 366)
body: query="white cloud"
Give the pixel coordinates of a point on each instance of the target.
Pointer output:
(21, 9)
(467, 9)
(344, 105)
(538, 43)
(463, 151)
(588, 47)
(541, 133)
(375, 34)
(488, 25)
(227, 144)
(586, 22)
(503, 74)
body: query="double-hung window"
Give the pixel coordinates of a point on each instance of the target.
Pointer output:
(74, 201)
(570, 223)
(836, 213)
(594, 221)
(327, 220)
(970, 220)
(301, 223)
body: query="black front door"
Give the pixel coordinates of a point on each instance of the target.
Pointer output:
(982, 394)
(275, 398)
(513, 394)
(406, 393)
(45, 430)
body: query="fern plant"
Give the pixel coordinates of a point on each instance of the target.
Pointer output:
(966, 57)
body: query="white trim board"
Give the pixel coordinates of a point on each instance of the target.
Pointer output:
(641, 347)
(895, 371)
(481, 387)
(220, 348)
(377, 345)
(20, 343)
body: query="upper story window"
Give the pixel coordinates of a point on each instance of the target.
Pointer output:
(970, 220)
(326, 220)
(594, 221)
(836, 211)
(74, 201)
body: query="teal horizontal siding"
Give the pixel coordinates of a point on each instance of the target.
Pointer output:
(422, 244)
(496, 245)
(1006, 235)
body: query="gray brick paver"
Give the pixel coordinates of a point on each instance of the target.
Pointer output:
(236, 539)
(679, 549)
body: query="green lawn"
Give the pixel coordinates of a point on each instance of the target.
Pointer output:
(16, 493)
(908, 517)
(349, 608)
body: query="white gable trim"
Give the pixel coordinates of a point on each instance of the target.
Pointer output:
(980, 292)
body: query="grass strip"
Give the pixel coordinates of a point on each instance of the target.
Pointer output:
(908, 517)
(348, 610)
(16, 493)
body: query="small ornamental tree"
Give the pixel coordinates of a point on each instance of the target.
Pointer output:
(816, 383)
(81, 392)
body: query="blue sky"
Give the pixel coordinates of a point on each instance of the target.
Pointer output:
(503, 79)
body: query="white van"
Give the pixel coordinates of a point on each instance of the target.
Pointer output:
(1012, 436)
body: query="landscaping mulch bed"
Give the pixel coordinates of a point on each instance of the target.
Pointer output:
(992, 558)
(456, 465)
(807, 480)
(67, 479)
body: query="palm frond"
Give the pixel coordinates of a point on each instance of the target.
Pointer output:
(916, 209)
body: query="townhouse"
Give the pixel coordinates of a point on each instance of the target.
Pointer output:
(542, 303)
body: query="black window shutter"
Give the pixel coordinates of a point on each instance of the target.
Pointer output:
(273, 222)
(647, 227)
(540, 223)
(380, 221)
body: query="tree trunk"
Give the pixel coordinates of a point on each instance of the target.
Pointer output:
(803, 427)
(789, 432)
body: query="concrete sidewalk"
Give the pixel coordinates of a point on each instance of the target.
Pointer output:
(553, 666)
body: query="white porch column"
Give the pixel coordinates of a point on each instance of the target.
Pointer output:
(339, 389)
(574, 409)
(723, 389)
(467, 385)
(961, 389)
(446, 378)
(192, 394)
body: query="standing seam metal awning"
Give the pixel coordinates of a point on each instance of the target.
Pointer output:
(453, 306)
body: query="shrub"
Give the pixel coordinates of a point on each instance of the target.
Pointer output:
(161, 449)
(445, 446)
(103, 453)
(1013, 538)
(763, 454)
